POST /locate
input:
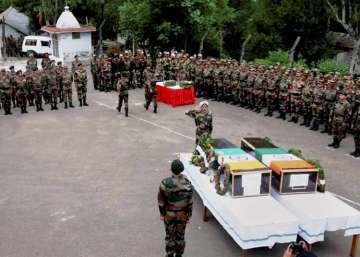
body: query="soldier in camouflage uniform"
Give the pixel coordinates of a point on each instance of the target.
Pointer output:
(203, 120)
(52, 87)
(32, 63)
(123, 88)
(307, 100)
(284, 96)
(67, 80)
(75, 64)
(5, 92)
(271, 94)
(330, 99)
(38, 87)
(317, 106)
(45, 62)
(29, 85)
(340, 121)
(94, 71)
(59, 70)
(150, 89)
(80, 78)
(175, 206)
(13, 86)
(295, 100)
(21, 92)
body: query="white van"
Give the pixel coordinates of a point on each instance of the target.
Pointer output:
(37, 45)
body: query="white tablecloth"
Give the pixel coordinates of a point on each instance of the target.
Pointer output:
(319, 213)
(252, 222)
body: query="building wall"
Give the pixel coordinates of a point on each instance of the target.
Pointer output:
(9, 31)
(69, 47)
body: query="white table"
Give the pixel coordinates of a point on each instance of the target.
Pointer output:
(252, 222)
(321, 212)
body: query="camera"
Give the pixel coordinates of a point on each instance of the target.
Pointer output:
(297, 249)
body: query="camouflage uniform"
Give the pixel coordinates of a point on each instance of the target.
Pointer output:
(283, 97)
(271, 95)
(340, 122)
(203, 122)
(21, 93)
(295, 101)
(13, 86)
(29, 86)
(45, 63)
(67, 80)
(38, 86)
(32, 64)
(52, 87)
(80, 78)
(356, 124)
(175, 205)
(150, 92)
(329, 98)
(5, 93)
(123, 88)
(317, 107)
(307, 99)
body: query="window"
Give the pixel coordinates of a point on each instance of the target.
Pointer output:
(30, 42)
(45, 43)
(76, 35)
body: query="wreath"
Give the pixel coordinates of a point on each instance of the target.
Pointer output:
(223, 169)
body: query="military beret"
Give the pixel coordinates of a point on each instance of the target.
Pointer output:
(177, 167)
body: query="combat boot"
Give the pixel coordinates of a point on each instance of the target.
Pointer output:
(146, 106)
(296, 120)
(337, 143)
(55, 106)
(126, 112)
(118, 108)
(66, 105)
(155, 109)
(37, 107)
(80, 103)
(71, 105)
(84, 102)
(332, 144)
(25, 111)
(308, 123)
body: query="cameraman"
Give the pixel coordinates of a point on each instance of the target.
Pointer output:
(292, 252)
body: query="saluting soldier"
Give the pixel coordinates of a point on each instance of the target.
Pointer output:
(175, 206)
(203, 120)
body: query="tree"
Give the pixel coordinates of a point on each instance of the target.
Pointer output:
(134, 17)
(350, 22)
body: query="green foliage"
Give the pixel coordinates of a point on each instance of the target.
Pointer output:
(330, 65)
(280, 57)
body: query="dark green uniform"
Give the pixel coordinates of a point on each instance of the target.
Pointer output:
(175, 205)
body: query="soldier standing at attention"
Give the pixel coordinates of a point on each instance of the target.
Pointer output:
(123, 88)
(38, 86)
(75, 64)
(340, 121)
(67, 80)
(80, 78)
(45, 62)
(5, 92)
(203, 120)
(21, 92)
(175, 205)
(32, 62)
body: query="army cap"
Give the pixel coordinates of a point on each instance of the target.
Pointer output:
(12, 67)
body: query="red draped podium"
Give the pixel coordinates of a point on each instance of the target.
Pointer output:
(175, 96)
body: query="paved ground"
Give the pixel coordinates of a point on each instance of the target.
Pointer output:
(83, 182)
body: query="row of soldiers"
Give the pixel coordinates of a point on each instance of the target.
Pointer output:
(106, 70)
(51, 85)
(12, 46)
(328, 99)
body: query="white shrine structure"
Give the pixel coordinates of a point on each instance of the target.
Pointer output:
(69, 38)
